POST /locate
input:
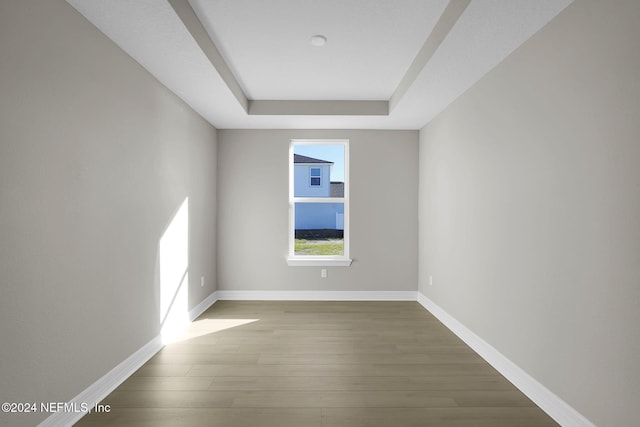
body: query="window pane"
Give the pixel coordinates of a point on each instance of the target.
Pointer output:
(318, 170)
(319, 229)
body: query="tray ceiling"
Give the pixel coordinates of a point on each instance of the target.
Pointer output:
(386, 64)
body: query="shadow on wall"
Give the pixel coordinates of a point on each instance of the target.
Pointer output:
(173, 274)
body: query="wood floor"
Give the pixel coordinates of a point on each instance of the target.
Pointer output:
(312, 364)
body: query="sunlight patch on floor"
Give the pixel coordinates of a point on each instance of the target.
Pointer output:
(206, 326)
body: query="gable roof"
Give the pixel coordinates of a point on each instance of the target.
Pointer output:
(298, 158)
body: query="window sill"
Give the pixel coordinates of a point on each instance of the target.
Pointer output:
(299, 261)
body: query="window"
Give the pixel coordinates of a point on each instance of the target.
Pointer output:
(319, 203)
(315, 175)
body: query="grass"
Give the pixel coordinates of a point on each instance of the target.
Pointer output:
(319, 247)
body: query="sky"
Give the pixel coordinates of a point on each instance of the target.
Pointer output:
(332, 153)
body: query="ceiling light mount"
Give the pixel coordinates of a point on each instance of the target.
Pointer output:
(318, 40)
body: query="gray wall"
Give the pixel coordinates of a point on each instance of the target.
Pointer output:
(530, 209)
(254, 201)
(95, 158)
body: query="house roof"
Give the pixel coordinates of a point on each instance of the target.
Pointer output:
(298, 158)
(337, 189)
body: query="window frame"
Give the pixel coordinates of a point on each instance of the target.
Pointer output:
(311, 176)
(343, 260)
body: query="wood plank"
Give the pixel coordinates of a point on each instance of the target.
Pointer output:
(436, 417)
(354, 383)
(206, 417)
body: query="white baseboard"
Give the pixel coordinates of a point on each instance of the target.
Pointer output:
(318, 295)
(105, 385)
(557, 408)
(203, 306)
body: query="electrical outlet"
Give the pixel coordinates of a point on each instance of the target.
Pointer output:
(430, 280)
(202, 281)
(323, 273)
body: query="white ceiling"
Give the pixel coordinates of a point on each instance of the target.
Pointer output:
(272, 58)
(368, 57)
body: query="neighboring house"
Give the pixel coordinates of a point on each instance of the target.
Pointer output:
(312, 178)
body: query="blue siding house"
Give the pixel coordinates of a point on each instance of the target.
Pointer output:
(312, 178)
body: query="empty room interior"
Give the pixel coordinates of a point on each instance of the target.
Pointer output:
(320, 213)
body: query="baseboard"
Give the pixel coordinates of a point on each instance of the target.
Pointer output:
(555, 407)
(97, 391)
(196, 311)
(317, 295)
